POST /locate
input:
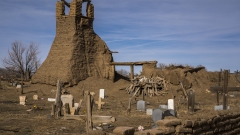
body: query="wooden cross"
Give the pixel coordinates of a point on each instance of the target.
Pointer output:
(100, 103)
(224, 89)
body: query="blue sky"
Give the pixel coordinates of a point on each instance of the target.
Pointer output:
(192, 32)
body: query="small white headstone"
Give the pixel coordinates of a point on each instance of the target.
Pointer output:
(22, 100)
(19, 86)
(171, 104)
(14, 84)
(141, 105)
(101, 93)
(220, 107)
(67, 99)
(76, 105)
(35, 97)
(149, 111)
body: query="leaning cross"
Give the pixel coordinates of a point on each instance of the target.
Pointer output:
(100, 103)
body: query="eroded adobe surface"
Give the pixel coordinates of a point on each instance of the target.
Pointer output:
(77, 52)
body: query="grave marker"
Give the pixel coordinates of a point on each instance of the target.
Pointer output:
(19, 86)
(22, 100)
(101, 93)
(171, 104)
(35, 97)
(76, 105)
(220, 107)
(224, 89)
(141, 105)
(168, 113)
(157, 115)
(67, 99)
(149, 111)
(99, 103)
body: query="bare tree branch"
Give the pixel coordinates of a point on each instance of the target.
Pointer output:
(22, 59)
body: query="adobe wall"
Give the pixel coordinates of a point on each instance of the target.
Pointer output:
(148, 68)
(225, 123)
(77, 52)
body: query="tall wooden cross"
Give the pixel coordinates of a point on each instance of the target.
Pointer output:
(224, 89)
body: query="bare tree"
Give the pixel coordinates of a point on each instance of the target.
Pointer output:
(123, 72)
(22, 59)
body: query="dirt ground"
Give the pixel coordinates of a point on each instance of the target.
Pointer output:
(15, 119)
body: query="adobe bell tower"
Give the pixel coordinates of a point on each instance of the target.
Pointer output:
(77, 52)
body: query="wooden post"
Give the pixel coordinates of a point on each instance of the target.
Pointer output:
(173, 97)
(67, 109)
(22, 84)
(191, 100)
(1, 83)
(129, 106)
(131, 72)
(82, 94)
(58, 100)
(89, 112)
(53, 110)
(219, 84)
(225, 90)
(143, 95)
(184, 91)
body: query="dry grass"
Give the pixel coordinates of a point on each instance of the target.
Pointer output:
(174, 66)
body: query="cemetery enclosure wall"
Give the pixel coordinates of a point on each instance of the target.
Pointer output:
(227, 124)
(221, 124)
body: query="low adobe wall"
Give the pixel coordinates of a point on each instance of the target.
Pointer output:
(224, 123)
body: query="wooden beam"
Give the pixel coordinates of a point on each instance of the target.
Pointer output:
(220, 89)
(194, 69)
(133, 63)
(95, 118)
(66, 3)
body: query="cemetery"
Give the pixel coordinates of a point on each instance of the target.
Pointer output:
(77, 91)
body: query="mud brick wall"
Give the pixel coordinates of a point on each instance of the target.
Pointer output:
(228, 123)
(148, 68)
(77, 52)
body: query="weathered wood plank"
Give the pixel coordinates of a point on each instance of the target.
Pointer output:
(95, 118)
(132, 63)
(220, 89)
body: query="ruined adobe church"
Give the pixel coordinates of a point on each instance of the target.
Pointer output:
(77, 52)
